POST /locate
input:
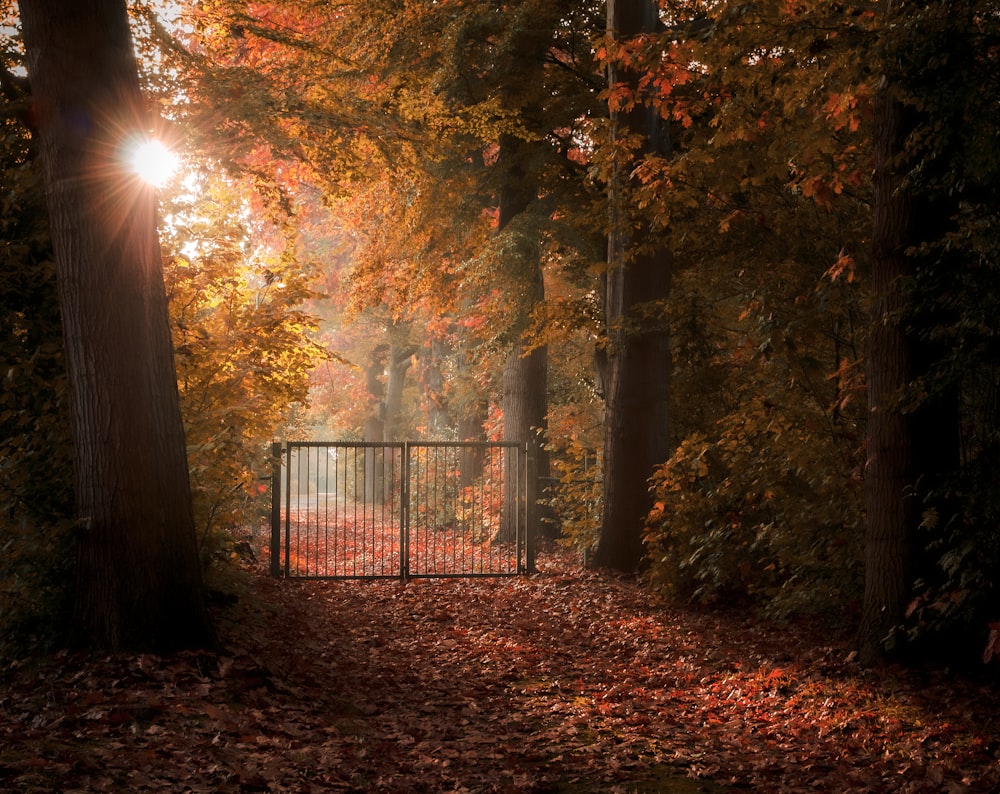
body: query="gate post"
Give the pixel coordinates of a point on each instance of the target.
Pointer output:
(275, 547)
(527, 452)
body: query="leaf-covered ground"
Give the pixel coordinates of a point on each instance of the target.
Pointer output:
(566, 681)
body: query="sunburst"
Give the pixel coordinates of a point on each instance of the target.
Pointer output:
(152, 161)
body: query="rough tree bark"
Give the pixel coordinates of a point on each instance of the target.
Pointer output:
(138, 573)
(638, 351)
(914, 424)
(525, 407)
(890, 456)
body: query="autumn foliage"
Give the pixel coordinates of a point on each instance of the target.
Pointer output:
(244, 351)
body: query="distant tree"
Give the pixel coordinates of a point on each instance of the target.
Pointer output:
(138, 574)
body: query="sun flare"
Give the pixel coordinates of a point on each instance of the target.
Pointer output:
(153, 162)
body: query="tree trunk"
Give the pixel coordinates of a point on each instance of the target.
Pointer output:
(525, 407)
(525, 377)
(374, 425)
(374, 483)
(638, 351)
(400, 359)
(470, 428)
(138, 573)
(439, 417)
(890, 470)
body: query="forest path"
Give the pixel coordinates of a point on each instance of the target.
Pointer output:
(568, 681)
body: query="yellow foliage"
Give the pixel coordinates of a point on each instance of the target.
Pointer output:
(243, 354)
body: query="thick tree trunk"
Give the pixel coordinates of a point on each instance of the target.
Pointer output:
(637, 383)
(912, 433)
(138, 573)
(890, 472)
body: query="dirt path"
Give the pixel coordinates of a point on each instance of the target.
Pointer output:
(567, 681)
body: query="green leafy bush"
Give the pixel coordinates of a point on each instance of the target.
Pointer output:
(761, 502)
(761, 511)
(575, 493)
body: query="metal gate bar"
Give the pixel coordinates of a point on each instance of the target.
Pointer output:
(353, 509)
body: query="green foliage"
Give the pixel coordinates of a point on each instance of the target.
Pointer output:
(759, 512)
(959, 578)
(576, 494)
(761, 500)
(763, 197)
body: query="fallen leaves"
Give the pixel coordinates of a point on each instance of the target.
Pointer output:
(322, 541)
(568, 680)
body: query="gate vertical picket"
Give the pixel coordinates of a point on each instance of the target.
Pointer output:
(404, 514)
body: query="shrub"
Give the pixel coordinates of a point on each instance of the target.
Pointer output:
(762, 511)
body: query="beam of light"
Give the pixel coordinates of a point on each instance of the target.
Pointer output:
(152, 161)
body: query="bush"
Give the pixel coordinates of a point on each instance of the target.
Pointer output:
(575, 494)
(760, 512)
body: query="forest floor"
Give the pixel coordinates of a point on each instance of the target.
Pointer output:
(564, 681)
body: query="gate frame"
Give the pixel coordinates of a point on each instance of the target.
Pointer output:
(525, 534)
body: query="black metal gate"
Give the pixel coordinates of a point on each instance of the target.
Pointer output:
(352, 510)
